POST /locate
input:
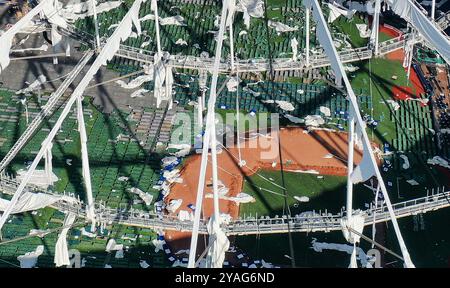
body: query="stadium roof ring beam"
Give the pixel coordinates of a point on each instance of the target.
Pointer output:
(424, 27)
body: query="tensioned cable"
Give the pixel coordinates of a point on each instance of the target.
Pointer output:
(272, 79)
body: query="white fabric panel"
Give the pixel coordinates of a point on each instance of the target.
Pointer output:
(401, 8)
(432, 34)
(356, 223)
(33, 201)
(50, 11)
(409, 11)
(216, 252)
(353, 263)
(365, 170)
(61, 250)
(335, 12)
(7, 37)
(29, 259)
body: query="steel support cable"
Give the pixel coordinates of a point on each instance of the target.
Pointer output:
(272, 79)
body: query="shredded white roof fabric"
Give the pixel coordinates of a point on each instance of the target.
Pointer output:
(364, 32)
(174, 20)
(41, 79)
(405, 164)
(44, 47)
(143, 264)
(185, 149)
(29, 259)
(140, 93)
(325, 111)
(216, 253)
(146, 197)
(356, 223)
(280, 27)
(338, 10)
(437, 160)
(33, 201)
(113, 246)
(314, 120)
(77, 9)
(39, 178)
(320, 246)
(181, 42)
(174, 204)
(61, 250)
(136, 82)
(158, 244)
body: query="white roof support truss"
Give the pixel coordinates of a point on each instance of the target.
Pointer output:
(368, 166)
(209, 142)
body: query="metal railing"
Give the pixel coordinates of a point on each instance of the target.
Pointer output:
(306, 222)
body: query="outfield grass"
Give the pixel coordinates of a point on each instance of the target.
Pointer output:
(348, 27)
(380, 84)
(327, 192)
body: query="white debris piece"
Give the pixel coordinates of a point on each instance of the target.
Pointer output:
(320, 246)
(145, 44)
(437, 160)
(185, 149)
(136, 82)
(168, 160)
(88, 234)
(302, 199)
(123, 178)
(112, 246)
(29, 201)
(394, 104)
(325, 111)
(232, 84)
(364, 32)
(351, 68)
(406, 161)
(356, 223)
(38, 178)
(280, 27)
(184, 215)
(75, 10)
(181, 42)
(146, 197)
(61, 250)
(158, 244)
(219, 244)
(29, 260)
(285, 105)
(294, 47)
(243, 32)
(38, 232)
(338, 10)
(250, 8)
(174, 204)
(239, 198)
(412, 182)
(174, 20)
(139, 93)
(44, 47)
(41, 79)
(314, 120)
(143, 264)
(147, 17)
